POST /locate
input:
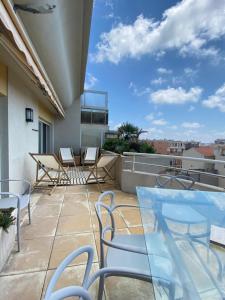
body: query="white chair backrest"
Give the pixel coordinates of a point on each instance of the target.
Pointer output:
(105, 160)
(91, 154)
(66, 154)
(48, 160)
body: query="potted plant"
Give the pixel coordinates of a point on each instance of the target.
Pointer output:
(7, 234)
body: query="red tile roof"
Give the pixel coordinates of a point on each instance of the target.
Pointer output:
(205, 150)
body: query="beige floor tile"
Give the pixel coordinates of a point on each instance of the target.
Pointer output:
(119, 222)
(77, 196)
(92, 187)
(34, 256)
(132, 217)
(24, 286)
(74, 224)
(40, 227)
(48, 210)
(136, 230)
(59, 190)
(128, 289)
(63, 245)
(127, 201)
(76, 189)
(93, 196)
(73, 276)
(74, 207)
(46, 199)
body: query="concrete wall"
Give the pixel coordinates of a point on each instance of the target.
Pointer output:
(221, 170)
(67, 131)
(129, 182)
(143, 164)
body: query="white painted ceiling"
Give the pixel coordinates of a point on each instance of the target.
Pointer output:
(61, 41)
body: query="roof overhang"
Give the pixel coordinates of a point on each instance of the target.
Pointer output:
(60, 38)
(15, 40)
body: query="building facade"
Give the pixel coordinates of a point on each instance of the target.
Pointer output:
(42, 68)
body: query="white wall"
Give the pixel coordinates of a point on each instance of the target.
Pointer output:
(67, 131)
(187, 164)
(21, 138)
(3, 138)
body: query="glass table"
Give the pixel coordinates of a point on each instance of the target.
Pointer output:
(178, 227)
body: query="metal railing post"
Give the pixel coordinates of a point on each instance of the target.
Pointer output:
(133, 166)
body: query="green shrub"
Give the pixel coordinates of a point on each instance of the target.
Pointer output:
(146, 148)
(119, 146)
(6, 218)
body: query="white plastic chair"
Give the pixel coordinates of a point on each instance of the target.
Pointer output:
(129, 251)
(17, 201)
(88, 280)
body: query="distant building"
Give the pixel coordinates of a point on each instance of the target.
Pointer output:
(111, 134)
(220, 142)
(177, 147)
(219, 152)
(199, 152)
(160, 146)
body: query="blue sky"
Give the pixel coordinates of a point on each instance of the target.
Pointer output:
(163, 65)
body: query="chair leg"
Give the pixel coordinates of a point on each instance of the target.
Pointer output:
(29, 213)
(18, 232)
(101, 287)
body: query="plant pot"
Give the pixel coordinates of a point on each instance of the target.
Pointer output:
(7, 240)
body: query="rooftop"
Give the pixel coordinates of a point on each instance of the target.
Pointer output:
(205, 150)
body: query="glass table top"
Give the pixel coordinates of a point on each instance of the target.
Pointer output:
(178, 226)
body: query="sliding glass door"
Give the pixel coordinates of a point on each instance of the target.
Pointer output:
(44, 137)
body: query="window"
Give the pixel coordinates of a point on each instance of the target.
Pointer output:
(44, 137)
(89, 116)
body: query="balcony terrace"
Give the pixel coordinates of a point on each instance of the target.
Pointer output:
(66, 220)
(62, 222)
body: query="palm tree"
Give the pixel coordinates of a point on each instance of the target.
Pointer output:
(129, 132)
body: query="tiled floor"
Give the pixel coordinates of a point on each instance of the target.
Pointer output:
(61, 223)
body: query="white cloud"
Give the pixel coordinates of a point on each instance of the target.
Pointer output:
(189, 72)
(164, 71)
(159, 122)
(153, 116)
(155, 131)
(90, 81)
(175, 96)
(217, 100)
(173, 127)
(149, 117)
(158, 81)
(117, 126)
(188, 26)
(191, 125)
(138, 91)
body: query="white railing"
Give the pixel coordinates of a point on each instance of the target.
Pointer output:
(132, 163)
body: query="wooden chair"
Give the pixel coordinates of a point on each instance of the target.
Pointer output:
(53, 172)
(67, 157)
(100, 172)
